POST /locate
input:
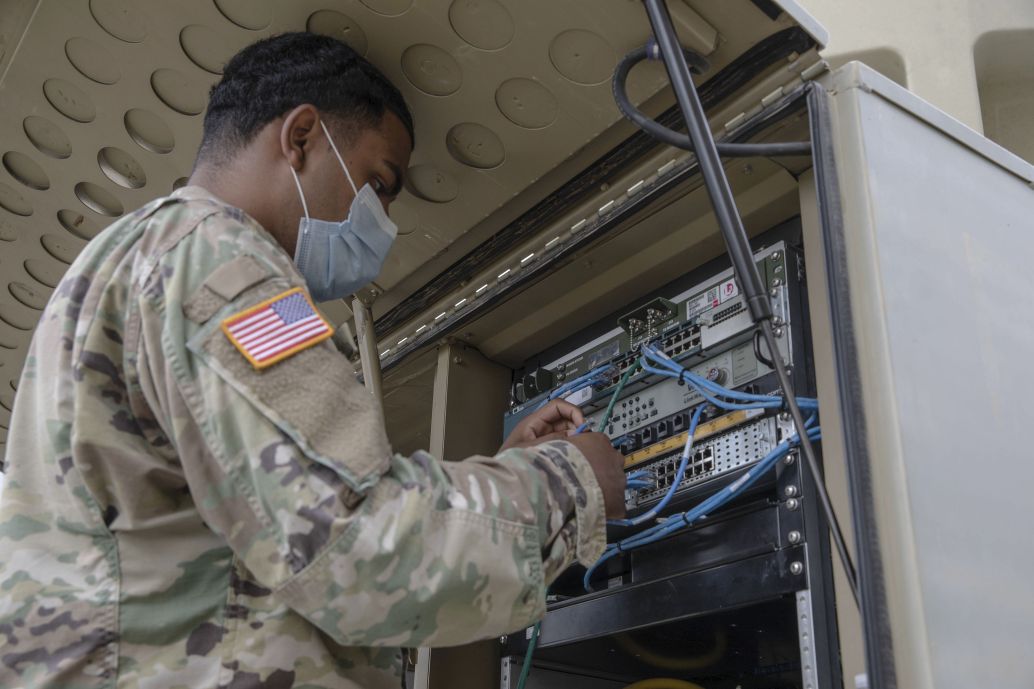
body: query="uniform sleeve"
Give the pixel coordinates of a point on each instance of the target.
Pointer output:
(291, 465)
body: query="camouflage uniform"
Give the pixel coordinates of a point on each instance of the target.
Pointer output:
(173, 517)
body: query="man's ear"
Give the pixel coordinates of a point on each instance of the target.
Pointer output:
(299, 129)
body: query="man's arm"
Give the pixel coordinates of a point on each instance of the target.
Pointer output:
(290, 464)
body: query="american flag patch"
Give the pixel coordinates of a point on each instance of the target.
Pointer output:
(277, 328)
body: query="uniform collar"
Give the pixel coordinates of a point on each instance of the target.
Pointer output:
(196, 193)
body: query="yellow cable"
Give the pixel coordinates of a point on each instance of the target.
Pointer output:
(676, 664)
(663, 683)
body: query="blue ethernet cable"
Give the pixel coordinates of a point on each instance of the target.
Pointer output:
(681, 521)
(679, 474)
(711, 391)
(597, 376)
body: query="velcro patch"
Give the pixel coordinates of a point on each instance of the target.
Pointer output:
(277, 328)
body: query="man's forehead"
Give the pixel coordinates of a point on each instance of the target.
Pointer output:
(395, 134)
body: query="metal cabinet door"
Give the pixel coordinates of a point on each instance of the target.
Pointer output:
(929, 239)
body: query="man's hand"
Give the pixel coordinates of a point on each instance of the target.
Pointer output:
(609, 466)
(557, 421)
(553, 422)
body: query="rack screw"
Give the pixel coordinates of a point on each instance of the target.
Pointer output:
(793, 504)
(794, 537)
(790, 491)
(796, 568)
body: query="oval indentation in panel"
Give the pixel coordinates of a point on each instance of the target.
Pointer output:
(475, 145)
(121, 168)
(207, 48)
(180, 183)
(340, 26)
(8, 340)
(404, 217)
(178, 92)
(582, 56)
(33, 297)
(98, 199)
(26, 170)
(46, 272)
(92, 60)
(484, 24)
(149, 131)
(431, 69)
(11, 200)
(526, 103)
(63, 248)
(69, 100)
(389, 7)
(248, 14)
(78, 224)
(47, 137)
(8, 230)
(120, 19)
(431, 184)
(18, 316)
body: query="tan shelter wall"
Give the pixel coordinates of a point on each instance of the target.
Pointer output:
(974, 59)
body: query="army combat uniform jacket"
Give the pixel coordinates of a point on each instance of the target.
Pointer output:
(174, 516)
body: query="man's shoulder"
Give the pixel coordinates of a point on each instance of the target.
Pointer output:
(193, 234)
(192, 211)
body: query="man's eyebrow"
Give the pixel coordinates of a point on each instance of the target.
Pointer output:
(396, 188)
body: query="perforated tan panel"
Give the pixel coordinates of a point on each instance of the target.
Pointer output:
(103, 99)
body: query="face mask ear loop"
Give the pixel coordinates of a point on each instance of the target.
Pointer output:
(341, 160)
(305, 206)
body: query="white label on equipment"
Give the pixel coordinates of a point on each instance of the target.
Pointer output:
(580, 397)
(728, 290)
(714, 296)
(697, 306)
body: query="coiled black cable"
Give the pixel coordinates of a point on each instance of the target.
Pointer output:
(698, 65)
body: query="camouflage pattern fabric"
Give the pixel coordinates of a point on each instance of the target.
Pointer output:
(172, 517)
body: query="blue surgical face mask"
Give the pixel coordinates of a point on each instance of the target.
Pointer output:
(337, 258)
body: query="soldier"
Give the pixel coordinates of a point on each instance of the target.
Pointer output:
(199, 493)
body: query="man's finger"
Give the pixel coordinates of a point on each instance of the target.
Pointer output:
(556, 435)
(531, 442)
(537, 426)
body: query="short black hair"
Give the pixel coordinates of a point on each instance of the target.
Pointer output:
(271, 77)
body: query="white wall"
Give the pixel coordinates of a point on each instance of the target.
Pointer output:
(949, 52)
